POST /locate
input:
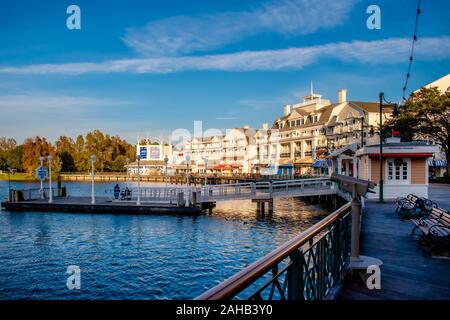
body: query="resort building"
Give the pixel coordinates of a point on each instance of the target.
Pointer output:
(155, 157)
(267, 151)
(309, 130)
(438, 164)
(231, 153)
(404, 170)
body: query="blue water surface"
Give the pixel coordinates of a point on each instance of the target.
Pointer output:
(137, 256)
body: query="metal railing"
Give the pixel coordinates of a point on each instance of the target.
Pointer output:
(304, 268)
(264, 189)
(236, 191)
(32, 194)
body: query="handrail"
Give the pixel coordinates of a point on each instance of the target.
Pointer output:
(241, 280)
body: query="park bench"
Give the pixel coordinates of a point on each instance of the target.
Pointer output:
(435, 227)
(413, 207)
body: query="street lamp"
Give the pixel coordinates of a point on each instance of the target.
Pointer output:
(93, 183)
(41, 190)
(206, 170)
(127, 160)
(50, 197)
(362, 130)
(138, 201)
(166, 161)
(9, 184)
(188, 159)
(380, 189)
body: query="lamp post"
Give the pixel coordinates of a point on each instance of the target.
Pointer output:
(138, 201)
(9, 184)
(127, 160)
(380, 189)
(188, 159)
(206, 170)
(50, 197)
(41, 190)
(93, 182)
(166, 161)
(362, 131)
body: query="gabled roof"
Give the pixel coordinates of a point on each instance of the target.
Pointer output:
(371, 106)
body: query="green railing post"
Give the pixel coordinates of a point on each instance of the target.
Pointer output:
(337, 250)
(295, 277)
(322, 262)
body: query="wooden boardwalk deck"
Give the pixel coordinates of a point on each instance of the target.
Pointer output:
(102, 205)
(407, 272)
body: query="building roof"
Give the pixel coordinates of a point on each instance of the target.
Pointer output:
(398, 148)
(371, 106)
(443, 84)
(348, 150)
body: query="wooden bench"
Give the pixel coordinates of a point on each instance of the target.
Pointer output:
(435, 228)
(413, 206)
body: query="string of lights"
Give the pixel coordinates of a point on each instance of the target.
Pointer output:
(408, 74)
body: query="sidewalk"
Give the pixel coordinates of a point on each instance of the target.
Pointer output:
(407, 273)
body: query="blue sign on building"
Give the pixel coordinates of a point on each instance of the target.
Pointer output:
(143, 152)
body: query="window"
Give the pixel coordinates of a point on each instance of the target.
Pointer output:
(397, 170)
(297, 122)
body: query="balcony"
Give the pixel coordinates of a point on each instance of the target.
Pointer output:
(285, 155)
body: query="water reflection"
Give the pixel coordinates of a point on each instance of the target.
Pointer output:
(138, 257)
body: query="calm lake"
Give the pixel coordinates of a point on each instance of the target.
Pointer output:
(135, 256)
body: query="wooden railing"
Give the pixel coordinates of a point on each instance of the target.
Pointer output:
(305, 267)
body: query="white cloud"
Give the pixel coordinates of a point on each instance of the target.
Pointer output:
(387, 51)
(183, 34)
(43, 102)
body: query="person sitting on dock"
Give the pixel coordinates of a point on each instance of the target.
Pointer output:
(116, 191)
(126, 194)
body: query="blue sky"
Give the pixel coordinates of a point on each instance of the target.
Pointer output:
(155, 66)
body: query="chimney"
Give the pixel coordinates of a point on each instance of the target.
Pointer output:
(342, 95)
(287, 109)
(265, 126)
(246, 126)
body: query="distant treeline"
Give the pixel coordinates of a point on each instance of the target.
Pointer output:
(68, 155)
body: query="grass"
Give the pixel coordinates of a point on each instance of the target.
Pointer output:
(18, 176)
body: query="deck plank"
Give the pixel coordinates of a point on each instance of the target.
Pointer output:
(407, 271)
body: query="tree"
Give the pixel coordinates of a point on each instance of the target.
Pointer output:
(14, 158)
(35, 148)
(425, 115)
(6, 145)
(66, 149)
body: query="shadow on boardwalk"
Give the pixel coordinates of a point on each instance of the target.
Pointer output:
(407, 271)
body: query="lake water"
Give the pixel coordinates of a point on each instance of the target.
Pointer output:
(136, 256)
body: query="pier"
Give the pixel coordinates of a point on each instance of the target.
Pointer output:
(176, 179)
(408, 272)
(178, 199)
(102, 205)
(326, 261)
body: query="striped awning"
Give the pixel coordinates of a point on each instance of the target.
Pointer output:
(437, 163)
(320, 164)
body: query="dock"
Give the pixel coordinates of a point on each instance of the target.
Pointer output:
(103, 205)
(407, 272)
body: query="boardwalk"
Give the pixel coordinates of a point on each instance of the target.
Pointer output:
(407, 273)
(102, 205)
